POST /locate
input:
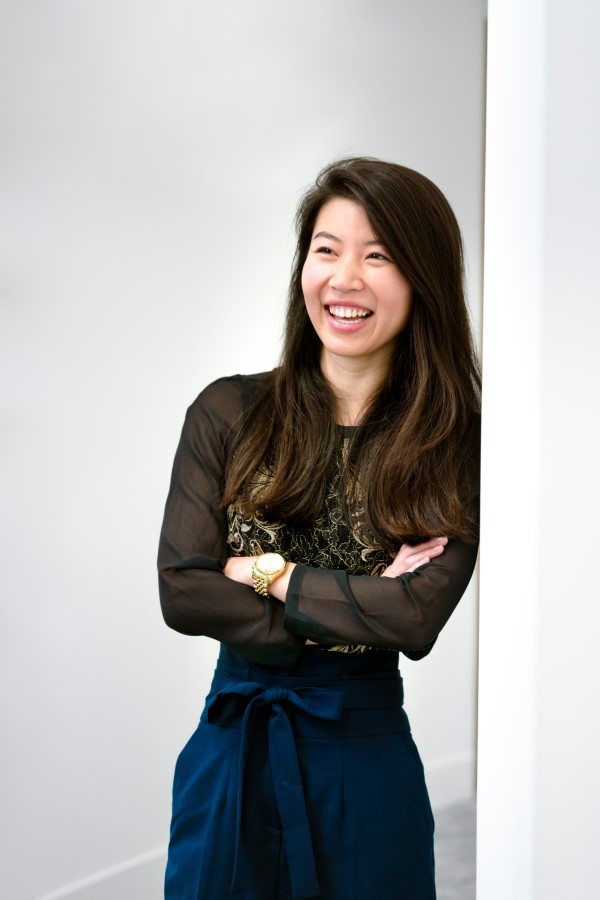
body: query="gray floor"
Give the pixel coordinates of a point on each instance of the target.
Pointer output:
(455, 852)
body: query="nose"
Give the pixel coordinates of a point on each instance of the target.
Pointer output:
(346, 275)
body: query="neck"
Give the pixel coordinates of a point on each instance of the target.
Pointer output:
(354, 381)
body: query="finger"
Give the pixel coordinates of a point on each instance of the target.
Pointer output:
(411, 559)
(432, 542)
(407, 549)
(409, 565)
(437, 550)
(425, 559)
(418, 562)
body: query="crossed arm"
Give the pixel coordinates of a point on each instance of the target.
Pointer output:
(408, 558)
(206, 591)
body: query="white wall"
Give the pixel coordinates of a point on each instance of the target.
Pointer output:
(539, 743)
(153, 154)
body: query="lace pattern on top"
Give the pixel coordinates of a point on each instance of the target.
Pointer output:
(330, 542)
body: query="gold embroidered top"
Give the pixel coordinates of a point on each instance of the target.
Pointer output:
(331, 598)
(329, 543)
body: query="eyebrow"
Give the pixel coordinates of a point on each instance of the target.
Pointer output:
(332, 237)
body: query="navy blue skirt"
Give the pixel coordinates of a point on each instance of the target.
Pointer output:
(302, 783)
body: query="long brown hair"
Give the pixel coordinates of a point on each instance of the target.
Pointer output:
(411, 457)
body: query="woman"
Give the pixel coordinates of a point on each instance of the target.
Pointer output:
(354, 467)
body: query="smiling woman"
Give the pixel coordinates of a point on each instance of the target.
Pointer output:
(357, 299)
(322, 518)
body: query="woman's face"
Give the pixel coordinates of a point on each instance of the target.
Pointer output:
(357, 299)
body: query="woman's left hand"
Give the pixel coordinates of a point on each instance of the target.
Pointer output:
(410, 557)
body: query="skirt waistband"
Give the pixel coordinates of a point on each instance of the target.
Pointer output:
(314, 663)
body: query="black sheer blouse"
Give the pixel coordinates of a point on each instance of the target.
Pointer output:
(335, 596)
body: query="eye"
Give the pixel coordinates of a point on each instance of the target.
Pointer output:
(377, 255)
(327, 251)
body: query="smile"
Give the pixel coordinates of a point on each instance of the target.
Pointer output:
(348, 312)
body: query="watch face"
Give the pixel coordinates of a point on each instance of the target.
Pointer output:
(270, 563)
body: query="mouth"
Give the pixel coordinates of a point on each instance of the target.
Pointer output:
(348, 312)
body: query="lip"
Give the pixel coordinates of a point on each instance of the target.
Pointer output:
(346, 326)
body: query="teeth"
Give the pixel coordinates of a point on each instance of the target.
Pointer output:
(348, 312)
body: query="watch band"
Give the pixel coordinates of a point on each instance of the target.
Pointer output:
(265, 570)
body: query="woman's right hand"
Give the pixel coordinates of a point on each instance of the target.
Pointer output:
(410, 557)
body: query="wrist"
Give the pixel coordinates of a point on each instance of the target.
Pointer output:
(239, 568)
(279, 587)
(265, 570)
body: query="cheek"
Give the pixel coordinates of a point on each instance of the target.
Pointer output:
(311, 292)
(407, 305)
(398, 303)
(403, 298)
(307, 282)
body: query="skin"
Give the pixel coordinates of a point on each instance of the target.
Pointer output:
(347, 269)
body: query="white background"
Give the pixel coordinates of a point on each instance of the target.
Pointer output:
(539, 740)
(152, 157)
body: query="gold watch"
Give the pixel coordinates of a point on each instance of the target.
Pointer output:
(265, 570)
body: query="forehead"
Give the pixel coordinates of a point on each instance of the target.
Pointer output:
(343, 219)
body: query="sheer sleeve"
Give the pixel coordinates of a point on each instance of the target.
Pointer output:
(196, 597)
(403, 613)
